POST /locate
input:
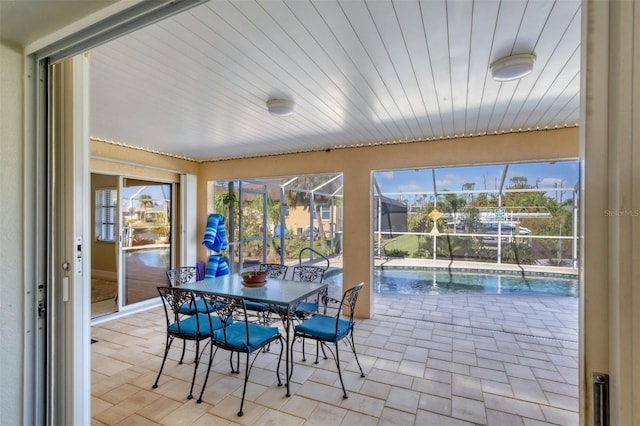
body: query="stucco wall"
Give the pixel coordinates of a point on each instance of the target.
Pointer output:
(11, 237)
(357, 165)
(103, 254)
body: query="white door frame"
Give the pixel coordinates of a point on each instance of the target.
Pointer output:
(188, 219)
(68, 292)
(57, 380)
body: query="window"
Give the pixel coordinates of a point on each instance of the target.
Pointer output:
(106, 203)
(325, 212)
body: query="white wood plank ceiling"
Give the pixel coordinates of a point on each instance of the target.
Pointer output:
(359, 72)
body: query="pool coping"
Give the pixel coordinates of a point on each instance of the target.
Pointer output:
(471, 267)
(480, 271)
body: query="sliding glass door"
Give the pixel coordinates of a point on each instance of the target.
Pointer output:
(145, 235)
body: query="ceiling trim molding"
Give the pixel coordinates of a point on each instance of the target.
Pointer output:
(138, 148)
(112, 27)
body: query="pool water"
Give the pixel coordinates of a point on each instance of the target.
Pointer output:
(155, 257)
(441, 282)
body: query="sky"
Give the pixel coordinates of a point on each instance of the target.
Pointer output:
(544, 175)
(159, 192)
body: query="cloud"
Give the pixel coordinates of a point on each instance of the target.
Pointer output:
(412, 187)
(445, 184)
(386, 175)
(551, 182)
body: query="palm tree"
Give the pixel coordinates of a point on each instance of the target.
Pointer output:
(419, 222)
(303, 199)
(469, 186)
(273, 219)
(145, 201)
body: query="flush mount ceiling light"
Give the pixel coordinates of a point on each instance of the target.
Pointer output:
(512, 67)
(280, 107)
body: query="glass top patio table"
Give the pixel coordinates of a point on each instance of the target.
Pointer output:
(275, 292)
(281, 293)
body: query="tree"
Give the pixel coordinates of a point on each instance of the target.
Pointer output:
(273, 219)
(451, 204)
(419, 222)
(469, 186)
(303, 199)
(519, 182)
(145, 201)
(471, 219)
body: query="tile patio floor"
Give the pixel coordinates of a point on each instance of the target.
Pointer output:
(445, 360)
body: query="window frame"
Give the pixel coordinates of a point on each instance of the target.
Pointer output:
(106, 206)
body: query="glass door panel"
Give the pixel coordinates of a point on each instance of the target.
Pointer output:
(252, 225)
(146, 238)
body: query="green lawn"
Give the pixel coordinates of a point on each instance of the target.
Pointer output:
(408, 243)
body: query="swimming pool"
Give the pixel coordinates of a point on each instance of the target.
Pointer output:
(440, 282)
(150, 257)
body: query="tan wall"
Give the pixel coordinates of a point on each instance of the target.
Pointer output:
(115, 159)
(357, 165)
(298, 219)
(103, 254)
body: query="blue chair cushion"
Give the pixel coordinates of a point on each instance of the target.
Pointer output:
(236, 336)
(189, 327)
(256, 306)
(307, 307)
(324, 328)
(200, 306)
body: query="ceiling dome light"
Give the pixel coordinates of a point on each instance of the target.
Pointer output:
(280, 107)
(512, 67)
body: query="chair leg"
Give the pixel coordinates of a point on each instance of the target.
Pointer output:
(279, 361)
(246, 379)
(237, 369)
(265, 321)
(304, 357)
(353, 349)
(290, 349)
(318, 345)
(195, 369)
(337, 357)
(212, 354)
(184, 347)
(167, 346)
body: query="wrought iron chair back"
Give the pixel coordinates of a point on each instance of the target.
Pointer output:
(181, 275)
(274, 270)
(308, 273)
(262, 311)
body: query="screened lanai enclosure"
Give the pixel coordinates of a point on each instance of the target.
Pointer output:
(280, 220)
(521, 213)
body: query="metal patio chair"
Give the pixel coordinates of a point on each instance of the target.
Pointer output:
(196, 328)
(274, 270)
(240, 336)
(326, 329)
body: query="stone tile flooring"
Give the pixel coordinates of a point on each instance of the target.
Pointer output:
(444, 360)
